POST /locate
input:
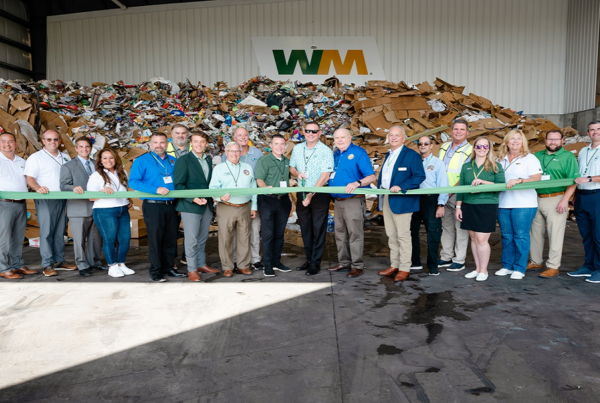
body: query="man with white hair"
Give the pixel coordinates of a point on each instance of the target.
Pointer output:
(352, 169)
(234, 213)
(250, 156)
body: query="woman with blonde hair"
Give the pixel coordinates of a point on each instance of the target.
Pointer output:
(477, 212)
(112, 215)
(517, 208)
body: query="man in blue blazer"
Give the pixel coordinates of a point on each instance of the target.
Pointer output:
(402, 170)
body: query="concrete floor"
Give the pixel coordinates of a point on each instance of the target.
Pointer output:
(295, 338)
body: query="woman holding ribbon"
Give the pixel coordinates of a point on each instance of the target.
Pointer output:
(517, 208)
(477, 212)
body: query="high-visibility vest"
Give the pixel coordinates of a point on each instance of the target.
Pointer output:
(456, 162)
(171, 150)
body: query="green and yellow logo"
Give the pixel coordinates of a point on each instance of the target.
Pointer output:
(320, 62)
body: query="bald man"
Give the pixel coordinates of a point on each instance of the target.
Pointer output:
(352, 169)
(250, 156)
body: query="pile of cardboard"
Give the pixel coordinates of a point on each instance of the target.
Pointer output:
(124, 116)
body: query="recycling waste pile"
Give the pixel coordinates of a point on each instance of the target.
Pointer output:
(124, 116)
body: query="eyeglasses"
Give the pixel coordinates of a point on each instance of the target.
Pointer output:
(482, 146)
(49, 140)
(312, 131)
(424, 144)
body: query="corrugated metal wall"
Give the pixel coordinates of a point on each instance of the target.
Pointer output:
(16, 32)
(582, 55)
(510, 51)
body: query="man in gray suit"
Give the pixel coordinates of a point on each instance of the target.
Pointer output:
(87, 241)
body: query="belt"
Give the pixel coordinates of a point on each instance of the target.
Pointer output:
(587, 192)
(346, 198)
(235, 205)
(552, 194)
(167, 202)
(12, 201)
(279, 196)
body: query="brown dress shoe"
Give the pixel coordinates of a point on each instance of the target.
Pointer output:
(194, 276)
(338, 267)
(9, 274)
(207, 269)
(533, 266)
(25, 270)
(355, 273)
(65, 266)
(246, 272)
(549, 273)
(50, 272)
(227, 273)
(401, 276)
(390, 271)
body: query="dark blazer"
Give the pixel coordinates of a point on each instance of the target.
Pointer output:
(188, 174)
(73, 174)
(408, 179)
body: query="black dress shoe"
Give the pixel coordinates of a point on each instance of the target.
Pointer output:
(85, 272)
(175, 273)
(158, 279)
(312, 271)
(99, 268)
(305, 266)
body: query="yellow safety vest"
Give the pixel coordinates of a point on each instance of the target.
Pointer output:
(456, 162)
(171, 149)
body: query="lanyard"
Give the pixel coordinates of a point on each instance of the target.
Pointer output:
(239, 172)
(587, 163)
(389, 161)
(509, 165)
(311, 155)
(163, 167)
(479, 173)
(54, 159)
(546, 165)
(282, 169)
(427, 161)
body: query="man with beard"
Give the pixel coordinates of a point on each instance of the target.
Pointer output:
(553, 204)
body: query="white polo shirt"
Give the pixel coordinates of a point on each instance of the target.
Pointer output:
(96, 184)
(45, 168)
(520, 168)
(12, 174)
(589, 165)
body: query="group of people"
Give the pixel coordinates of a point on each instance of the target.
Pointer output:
(248, 222)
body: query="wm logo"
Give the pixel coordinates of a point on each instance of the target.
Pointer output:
(320, 62)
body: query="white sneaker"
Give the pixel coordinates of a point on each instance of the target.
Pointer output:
(471, 274)
(504, 272)
(416, 268)
(126, 270)
(517, 275)
(481, 277)
(114, 271)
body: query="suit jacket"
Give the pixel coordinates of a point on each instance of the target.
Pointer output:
(73, 174)
(408, 173)
(188, 174)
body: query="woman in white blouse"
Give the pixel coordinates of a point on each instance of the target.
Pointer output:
(112, 215)
(517, 208)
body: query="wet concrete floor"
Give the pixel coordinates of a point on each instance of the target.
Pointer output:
(295, 338)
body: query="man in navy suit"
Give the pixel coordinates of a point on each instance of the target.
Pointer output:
(402, 170)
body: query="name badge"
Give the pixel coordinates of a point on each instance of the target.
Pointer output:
(332, 175)
(402, 169)
(305, 175)
(168, 179)
(545, 177)
(282, 184)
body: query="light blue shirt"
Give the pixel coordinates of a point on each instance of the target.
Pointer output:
(92, 167)
(435, 176)
(589, 165)
(313, 161)
(229, 176)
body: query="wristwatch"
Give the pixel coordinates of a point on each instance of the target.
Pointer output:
(441, 205)
(590, 178)
(359, 183)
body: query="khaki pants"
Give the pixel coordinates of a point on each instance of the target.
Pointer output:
(548, 217)
(234, 220)
(254, 240)
(397, 228)
(454, 240)
(349, 231)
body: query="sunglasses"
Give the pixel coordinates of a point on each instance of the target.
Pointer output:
(312, 131)
(51, 140)
(424, 144)
(482, 146)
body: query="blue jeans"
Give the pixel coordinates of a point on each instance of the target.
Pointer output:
(515, 224)
(113, 224)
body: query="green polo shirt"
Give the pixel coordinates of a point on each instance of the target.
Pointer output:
(467, 176)
(560, 165)
(271, 170)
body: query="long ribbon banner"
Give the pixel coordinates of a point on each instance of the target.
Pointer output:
(178, 194)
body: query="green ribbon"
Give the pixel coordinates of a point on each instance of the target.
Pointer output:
(183, 194)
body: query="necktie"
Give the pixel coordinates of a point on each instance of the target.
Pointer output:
(87, 168)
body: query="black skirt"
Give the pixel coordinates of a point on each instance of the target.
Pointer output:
(479, 217)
